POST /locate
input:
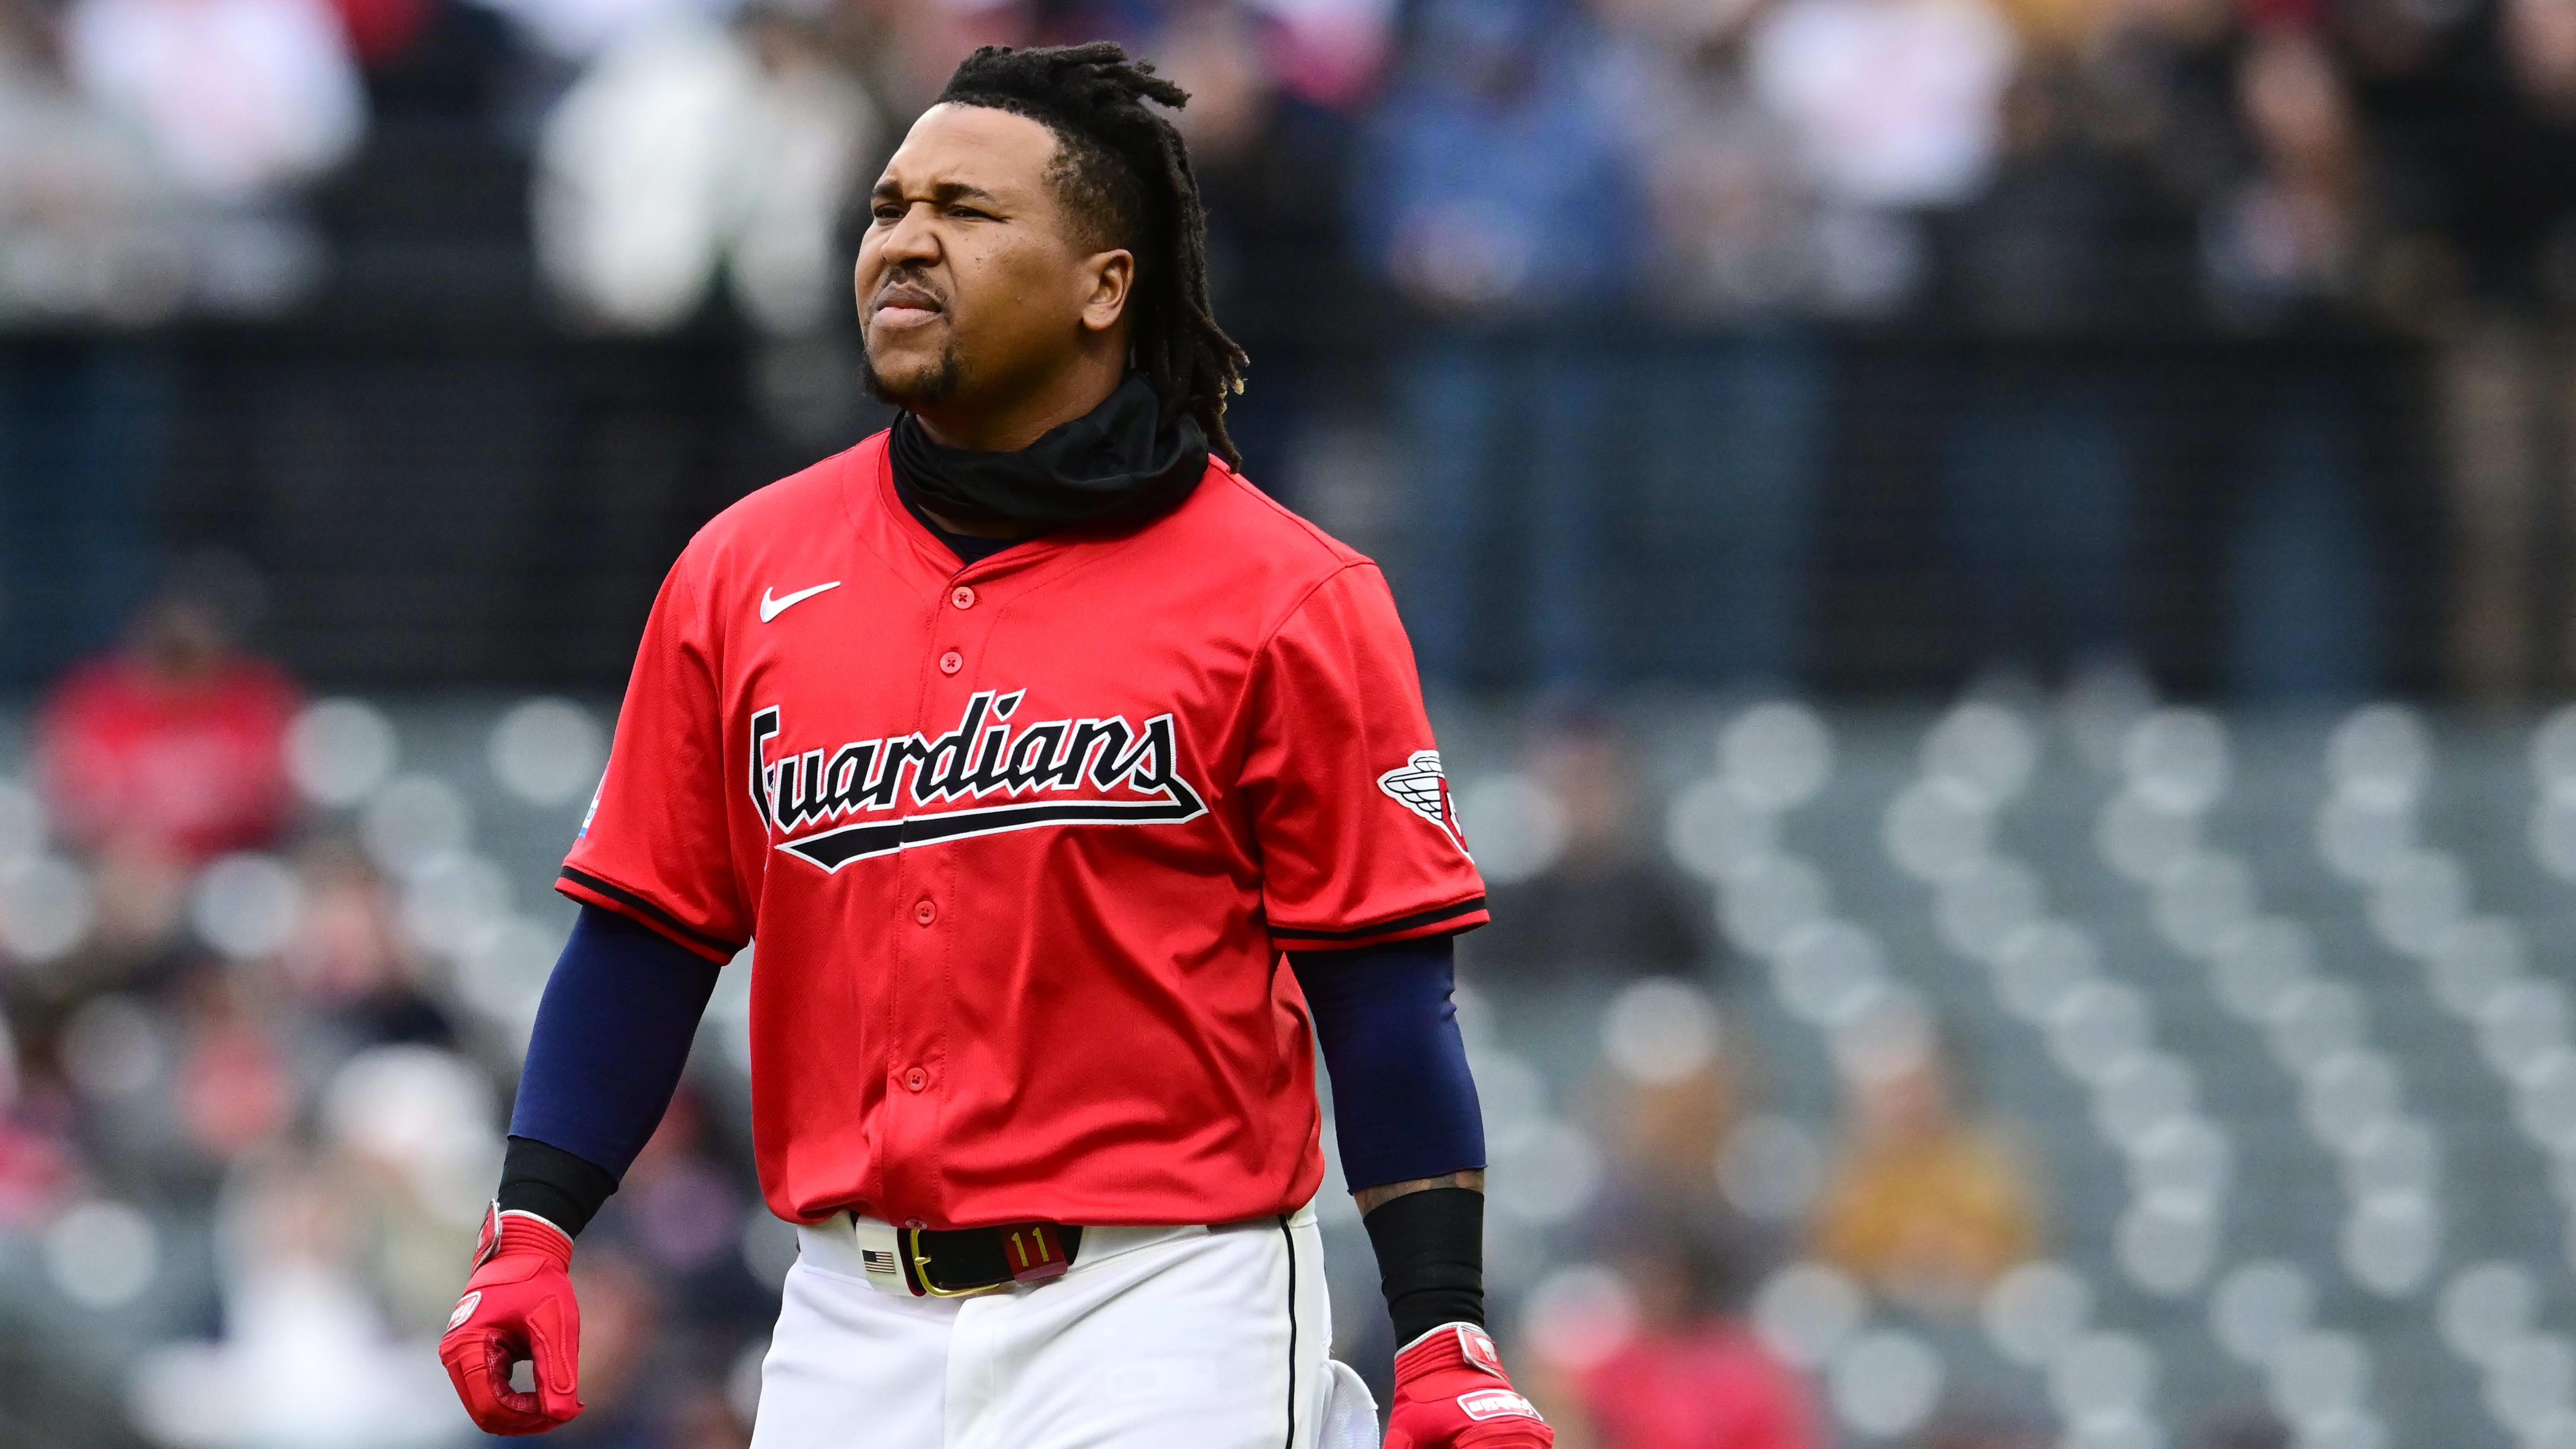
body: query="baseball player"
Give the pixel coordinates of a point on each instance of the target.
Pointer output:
(1075, 793)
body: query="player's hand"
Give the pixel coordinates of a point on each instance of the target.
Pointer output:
(518, 1305)
(1451, 1393)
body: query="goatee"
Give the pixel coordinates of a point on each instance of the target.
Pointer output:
(935, 388)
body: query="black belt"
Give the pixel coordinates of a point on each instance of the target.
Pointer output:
(952, 1263)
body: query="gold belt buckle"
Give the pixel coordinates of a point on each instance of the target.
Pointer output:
(921, 1270)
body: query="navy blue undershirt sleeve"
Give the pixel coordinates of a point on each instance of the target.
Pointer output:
(1404, 1103)
(611, 1038)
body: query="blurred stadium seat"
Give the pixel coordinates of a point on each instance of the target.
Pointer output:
(2258, 994)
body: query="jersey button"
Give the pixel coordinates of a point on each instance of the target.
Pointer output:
(924, 911)
(916, 1079)
(962, 596)
(951, 662)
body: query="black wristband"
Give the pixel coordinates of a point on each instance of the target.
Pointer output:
(565, 1190)
(1431, 1258)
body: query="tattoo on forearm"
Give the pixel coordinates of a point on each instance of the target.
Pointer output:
(1371, 1199)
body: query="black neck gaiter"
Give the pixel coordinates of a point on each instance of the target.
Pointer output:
(1119, 463)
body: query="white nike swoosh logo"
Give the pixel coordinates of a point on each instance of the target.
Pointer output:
(771, 608)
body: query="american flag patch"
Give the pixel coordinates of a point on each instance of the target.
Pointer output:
(876, 1260)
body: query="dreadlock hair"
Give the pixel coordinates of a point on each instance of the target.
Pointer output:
(1126, 175)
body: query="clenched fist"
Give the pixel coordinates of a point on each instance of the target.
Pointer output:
(1451, 1393)
(518, 1305)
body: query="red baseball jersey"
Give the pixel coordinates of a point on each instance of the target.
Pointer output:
(1022, 842)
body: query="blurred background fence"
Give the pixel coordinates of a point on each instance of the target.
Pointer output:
(420, 509)
(1904, 507)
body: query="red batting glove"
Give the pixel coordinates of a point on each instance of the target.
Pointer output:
(518, 1305)
(1451, 1393)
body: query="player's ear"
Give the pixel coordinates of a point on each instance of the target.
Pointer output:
(1108, 277)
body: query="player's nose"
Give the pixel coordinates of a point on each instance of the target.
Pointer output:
(912, 238)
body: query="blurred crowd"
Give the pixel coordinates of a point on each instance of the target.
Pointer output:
(2035, 166)
(1754, 1261)
(1647, 1335)
(1593, 256)
(254, 1057)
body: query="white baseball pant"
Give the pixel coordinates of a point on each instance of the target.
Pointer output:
(1156, 1338)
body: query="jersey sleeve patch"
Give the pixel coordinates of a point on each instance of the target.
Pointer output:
(1421, 786)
